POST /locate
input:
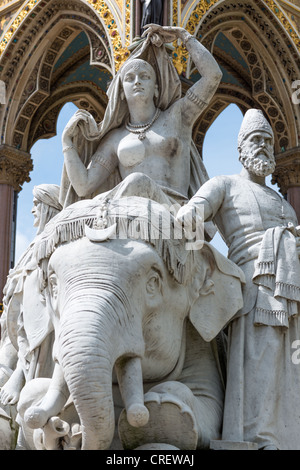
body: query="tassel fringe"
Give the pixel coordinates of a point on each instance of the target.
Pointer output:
(271, 318)
(135, 228)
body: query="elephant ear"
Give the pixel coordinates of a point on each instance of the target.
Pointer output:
(220, 295)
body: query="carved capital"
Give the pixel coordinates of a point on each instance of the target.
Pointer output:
(15, 166)
(287, 173)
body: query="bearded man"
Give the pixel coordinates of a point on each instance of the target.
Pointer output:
(260, 230)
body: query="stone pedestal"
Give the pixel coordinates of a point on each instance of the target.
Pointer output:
(15, 166)
(232, 445)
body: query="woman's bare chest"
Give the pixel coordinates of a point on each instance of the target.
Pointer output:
(132, 151)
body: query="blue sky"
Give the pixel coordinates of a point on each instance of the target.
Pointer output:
(219, 154)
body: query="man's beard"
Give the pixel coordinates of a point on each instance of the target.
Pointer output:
(254, 164)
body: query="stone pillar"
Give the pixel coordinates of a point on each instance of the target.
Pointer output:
(166, 13)
(138, 17)
(15, 166)
(293, 196)
(287, 176)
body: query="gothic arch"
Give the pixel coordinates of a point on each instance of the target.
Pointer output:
(39, 69)
(260, 64)
(83, 94)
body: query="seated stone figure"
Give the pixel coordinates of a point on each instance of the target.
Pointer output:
(146, 130)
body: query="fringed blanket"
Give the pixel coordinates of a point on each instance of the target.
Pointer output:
(135, 218)
(277, 274)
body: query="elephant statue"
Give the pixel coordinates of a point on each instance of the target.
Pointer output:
(138, 322)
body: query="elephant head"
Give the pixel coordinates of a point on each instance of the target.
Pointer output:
(120, 304)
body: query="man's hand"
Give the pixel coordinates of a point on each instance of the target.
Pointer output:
(190, 217)
(186, 216)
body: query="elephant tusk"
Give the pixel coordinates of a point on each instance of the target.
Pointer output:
(100, 235)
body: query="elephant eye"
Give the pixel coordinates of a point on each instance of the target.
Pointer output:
(53, 284)
(154, 281)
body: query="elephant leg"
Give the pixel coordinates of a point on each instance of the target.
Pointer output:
(202, 375)
(52, 403)
(188, 412)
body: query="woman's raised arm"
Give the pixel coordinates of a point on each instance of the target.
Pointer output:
(200, 94)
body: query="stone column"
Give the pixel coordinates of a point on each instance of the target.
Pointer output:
(138, 17)
(15, 166)
(287, 176)
(165, 13)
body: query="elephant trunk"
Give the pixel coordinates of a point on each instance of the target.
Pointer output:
(88, 353)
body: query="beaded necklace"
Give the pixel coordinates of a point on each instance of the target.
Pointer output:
(141, 129)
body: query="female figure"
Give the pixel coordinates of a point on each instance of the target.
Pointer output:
(145, 138)
(25, 322)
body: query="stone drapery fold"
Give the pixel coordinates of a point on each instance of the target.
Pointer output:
(277, 274)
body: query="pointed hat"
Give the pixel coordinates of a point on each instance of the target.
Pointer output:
(254, 120)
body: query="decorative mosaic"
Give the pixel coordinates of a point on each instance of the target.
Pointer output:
(198, 9)
(16, 23)
(4, 21)
(7, 3)
(116, 16)
(285, 22)
(120, 37)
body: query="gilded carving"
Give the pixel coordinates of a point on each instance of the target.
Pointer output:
(16, 23)
(191, 23)
(120, 50)
(121, 39)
